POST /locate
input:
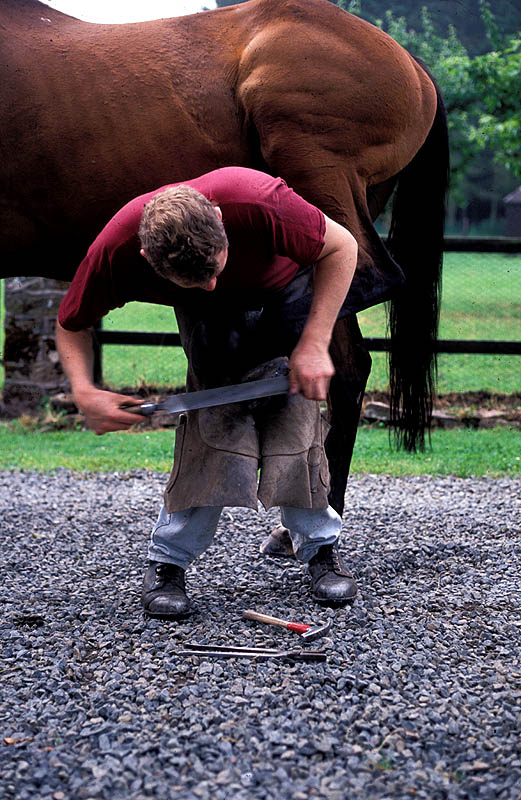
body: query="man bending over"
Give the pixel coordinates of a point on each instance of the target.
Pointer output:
(257, 278)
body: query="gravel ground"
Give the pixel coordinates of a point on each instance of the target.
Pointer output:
(420, 696)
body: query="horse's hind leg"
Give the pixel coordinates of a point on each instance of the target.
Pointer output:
(352, 364)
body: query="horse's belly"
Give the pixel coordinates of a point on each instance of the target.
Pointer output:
(79, 143)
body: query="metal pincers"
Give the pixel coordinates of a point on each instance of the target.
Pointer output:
(260, 653)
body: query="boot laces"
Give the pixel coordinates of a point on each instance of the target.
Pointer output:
(168, 573)
(329, 560)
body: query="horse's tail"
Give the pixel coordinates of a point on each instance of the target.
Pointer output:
(416, 243)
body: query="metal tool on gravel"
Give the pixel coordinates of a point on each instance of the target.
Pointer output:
(217, 651)
(221, 396)
(307, 632)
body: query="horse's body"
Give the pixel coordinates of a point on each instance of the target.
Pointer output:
(93, 115)
(96, 114)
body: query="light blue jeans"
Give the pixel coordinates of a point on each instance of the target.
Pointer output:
(181, 537)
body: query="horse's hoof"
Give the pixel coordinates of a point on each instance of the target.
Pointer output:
(278, 544)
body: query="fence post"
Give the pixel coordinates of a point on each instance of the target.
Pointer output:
(97, 367)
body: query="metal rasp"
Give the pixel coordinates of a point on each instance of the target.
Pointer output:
(220, 396)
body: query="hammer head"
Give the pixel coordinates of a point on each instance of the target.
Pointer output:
(316, 631)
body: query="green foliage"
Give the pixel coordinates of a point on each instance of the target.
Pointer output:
(496, 77)
(481, 92)
(464, 15)
(353, 6)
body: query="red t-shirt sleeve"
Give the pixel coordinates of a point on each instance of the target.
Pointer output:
(277, 219)
(298, 226)
(273, 232)
(89, 296)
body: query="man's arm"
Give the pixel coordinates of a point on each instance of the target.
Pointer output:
(102, 409)
(310, 364)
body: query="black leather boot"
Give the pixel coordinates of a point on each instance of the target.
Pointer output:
(331, 584)
(164, 594)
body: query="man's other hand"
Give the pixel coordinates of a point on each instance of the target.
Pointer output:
(103, 412)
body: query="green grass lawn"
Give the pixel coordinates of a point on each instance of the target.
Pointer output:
(134, 366)
(460, 452)
(481, 299)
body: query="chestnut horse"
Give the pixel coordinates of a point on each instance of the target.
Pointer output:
(93, 115)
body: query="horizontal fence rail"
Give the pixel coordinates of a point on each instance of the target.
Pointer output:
(485, 347)
(452, 244)
(375, 344)
(481, 244)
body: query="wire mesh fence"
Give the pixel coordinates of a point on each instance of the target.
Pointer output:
(481, 302)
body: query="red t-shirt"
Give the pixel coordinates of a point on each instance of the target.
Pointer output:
(271, 230)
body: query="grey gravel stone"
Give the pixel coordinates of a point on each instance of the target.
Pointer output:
(420, 696)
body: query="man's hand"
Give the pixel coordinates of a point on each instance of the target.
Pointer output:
(103, 412)
(310, 370)
(102, 409)
(310, 364)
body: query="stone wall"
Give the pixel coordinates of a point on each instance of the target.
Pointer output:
(32, 366)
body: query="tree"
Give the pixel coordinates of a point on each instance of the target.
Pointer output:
(481, 92)
(496, 77)
(464, 15)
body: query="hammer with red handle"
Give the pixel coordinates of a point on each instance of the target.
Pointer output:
(307, 632)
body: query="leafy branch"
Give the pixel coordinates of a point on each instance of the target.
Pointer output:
(481, 92)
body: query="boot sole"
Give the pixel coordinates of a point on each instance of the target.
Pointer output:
(323, 601)
(171, 617)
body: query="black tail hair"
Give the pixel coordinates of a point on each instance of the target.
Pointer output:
(416, 243)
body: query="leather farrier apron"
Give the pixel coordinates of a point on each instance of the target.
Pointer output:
(219, 451)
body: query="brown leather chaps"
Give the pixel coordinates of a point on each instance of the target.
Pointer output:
(271, 449)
